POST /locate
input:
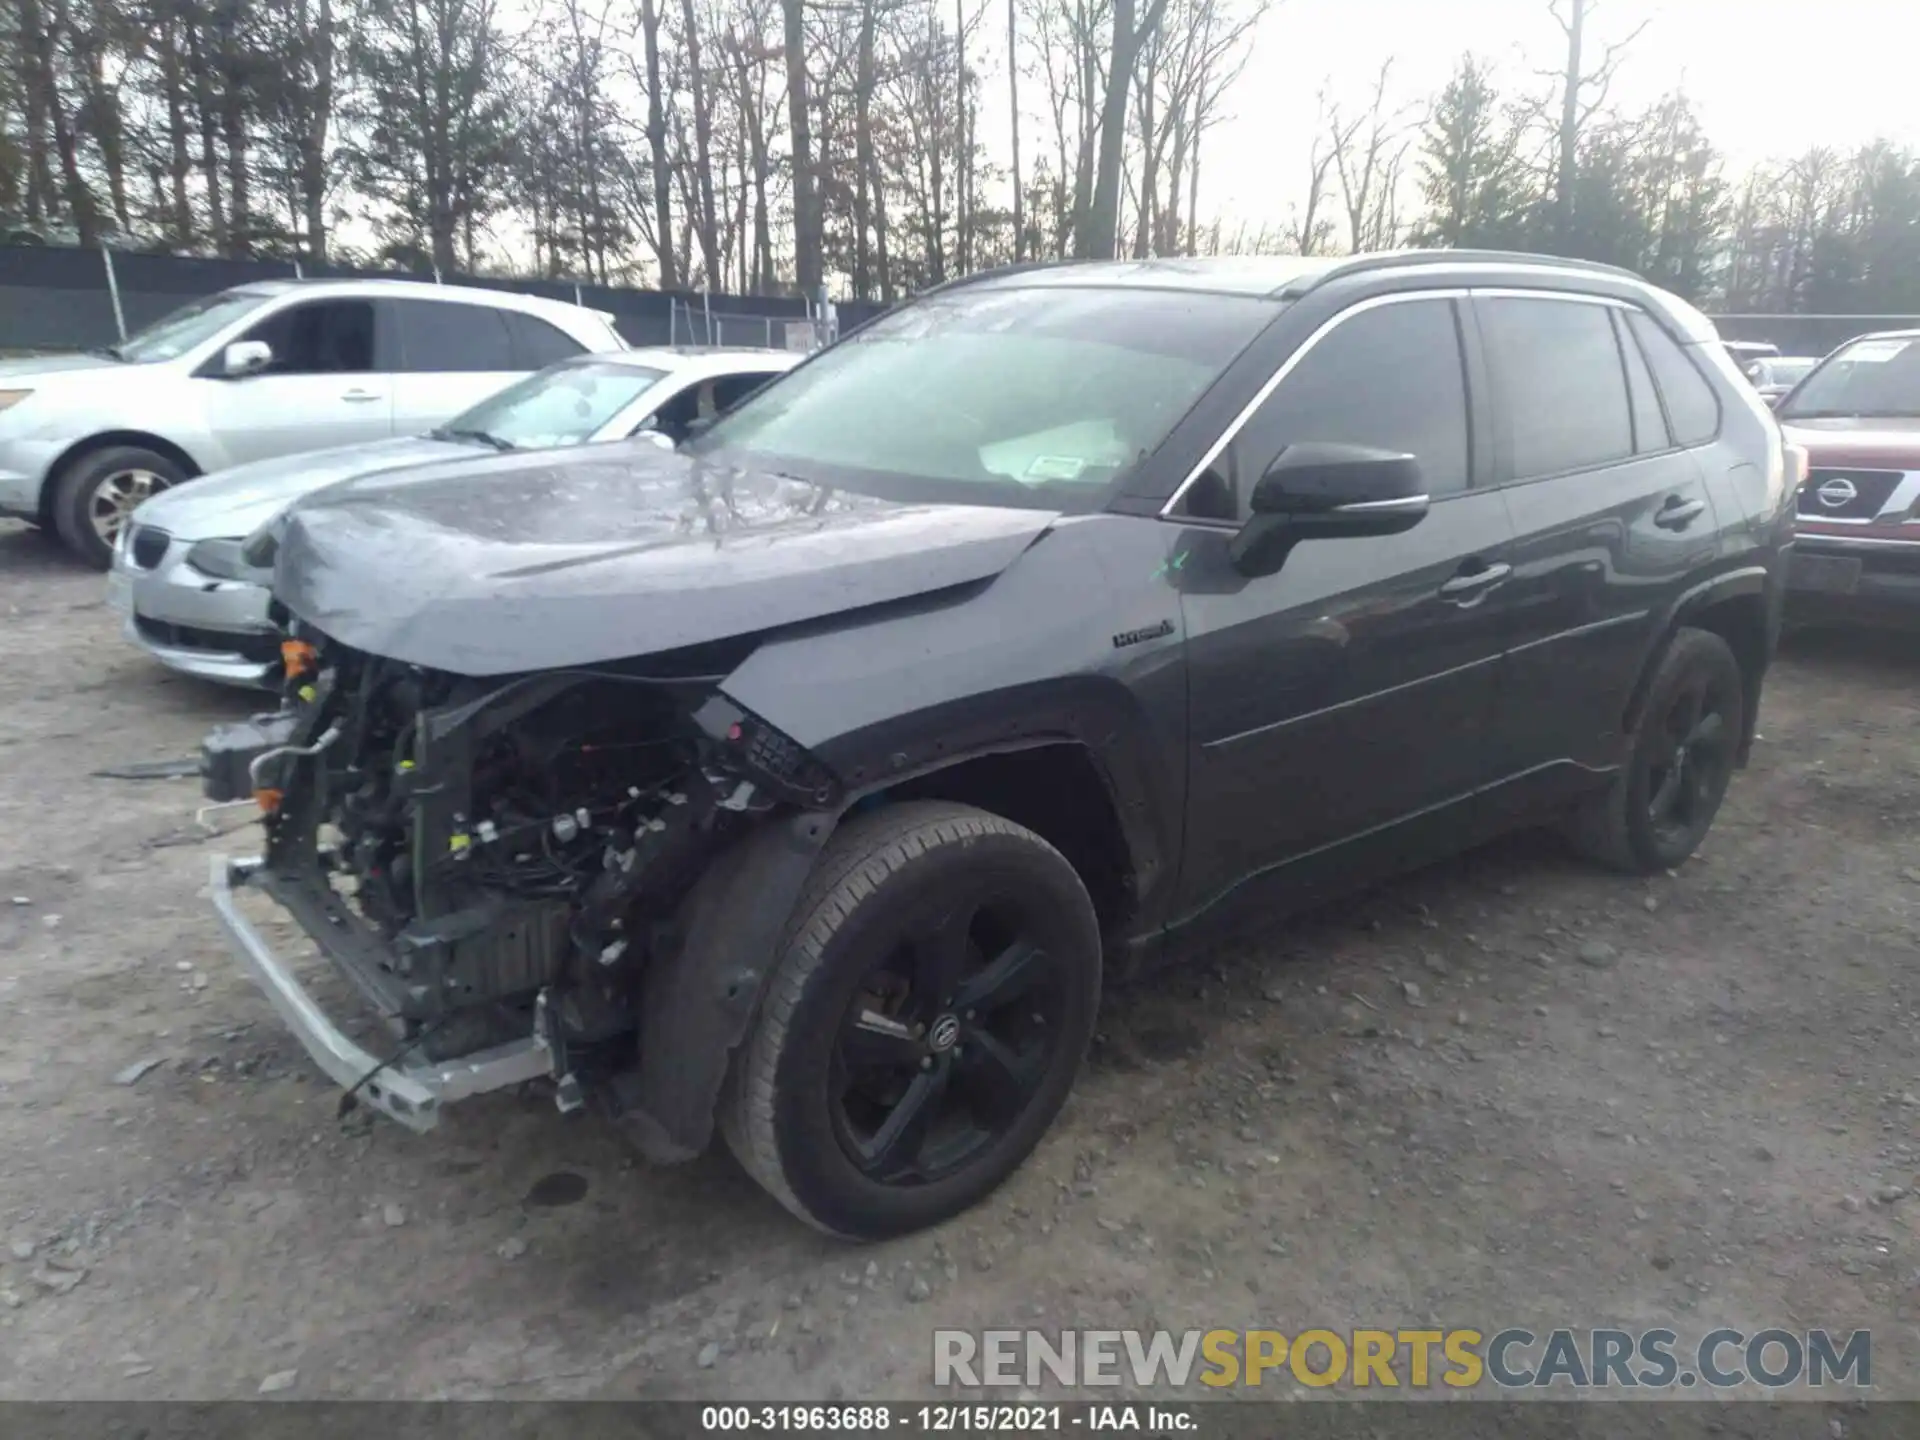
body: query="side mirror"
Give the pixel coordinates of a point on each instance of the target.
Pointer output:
(245, 357)
(1316, 491)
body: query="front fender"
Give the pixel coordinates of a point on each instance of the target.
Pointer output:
(697, 996)
(1080, 640)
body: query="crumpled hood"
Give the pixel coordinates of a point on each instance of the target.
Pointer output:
(565, 558)
(234, 503)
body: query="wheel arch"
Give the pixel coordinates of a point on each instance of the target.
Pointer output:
(1741, 607)
(1055, 788)
(107, 440)
(699, 993)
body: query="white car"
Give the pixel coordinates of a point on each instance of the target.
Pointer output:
(1775, 375)
(256, 372)
(190, 600)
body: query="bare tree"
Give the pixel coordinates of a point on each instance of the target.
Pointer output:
(706, 220)
(1582, 93)
(1185, 69)
(1310, 231)
(1368, 152)
(1067, 38)
(807, 237)
(1099, 231)
(654, 88)
(1013, 119)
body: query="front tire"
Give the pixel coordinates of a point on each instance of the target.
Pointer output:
(924, 1024)
(1660, 807)
(97, 494)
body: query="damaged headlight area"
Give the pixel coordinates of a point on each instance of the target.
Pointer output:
(495, 862)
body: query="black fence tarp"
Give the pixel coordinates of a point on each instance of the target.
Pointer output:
(56, 297)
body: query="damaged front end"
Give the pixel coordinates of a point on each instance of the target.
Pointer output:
(503, 867)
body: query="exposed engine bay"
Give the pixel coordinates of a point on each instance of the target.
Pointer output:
(490, 858)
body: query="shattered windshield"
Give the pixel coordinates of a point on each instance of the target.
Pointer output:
(1045, 396)
(1867, 378)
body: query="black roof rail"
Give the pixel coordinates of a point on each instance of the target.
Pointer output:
(1406, 259)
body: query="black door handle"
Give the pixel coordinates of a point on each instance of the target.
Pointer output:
(1677, 514)
(1472, 584)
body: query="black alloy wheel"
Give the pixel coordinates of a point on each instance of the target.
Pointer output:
(1689, 769)
(923, 1025)
(946, 1043)
(1661, 803)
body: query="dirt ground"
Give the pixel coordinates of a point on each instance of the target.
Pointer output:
(1509, 1091)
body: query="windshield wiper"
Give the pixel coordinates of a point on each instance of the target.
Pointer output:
(446, 433)
(107, 352)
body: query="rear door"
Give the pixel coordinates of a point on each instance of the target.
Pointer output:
(324, 386)
(451, 354)
(1353, 690)
(1612, 520)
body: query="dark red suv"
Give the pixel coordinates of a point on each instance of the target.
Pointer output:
(1857, 546)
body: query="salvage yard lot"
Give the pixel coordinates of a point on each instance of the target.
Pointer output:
(1509, 1091)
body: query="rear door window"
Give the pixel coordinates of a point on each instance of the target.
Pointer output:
(442, 336)
(1562, 383)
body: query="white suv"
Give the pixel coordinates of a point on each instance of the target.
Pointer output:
(254, 372)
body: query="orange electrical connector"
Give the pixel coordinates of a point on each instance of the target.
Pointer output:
(267, 800)
(297, 656)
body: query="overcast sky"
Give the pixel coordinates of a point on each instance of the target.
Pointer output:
(1769, 77)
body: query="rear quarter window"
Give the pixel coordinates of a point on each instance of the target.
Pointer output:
(537, 344)
(1693, 410)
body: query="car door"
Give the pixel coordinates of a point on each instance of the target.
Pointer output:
(1611, 518)
(451, 354)
(670, 408)
(1353, 690)
(676, 411)
(731, 389)
(323, 386)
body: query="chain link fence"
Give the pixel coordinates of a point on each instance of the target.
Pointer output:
(691, 322)
(60, 297)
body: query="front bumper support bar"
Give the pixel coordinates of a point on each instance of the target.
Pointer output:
(411, 1093)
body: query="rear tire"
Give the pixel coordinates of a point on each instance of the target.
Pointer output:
(96, 495)
(1662, 803)
(923, 917)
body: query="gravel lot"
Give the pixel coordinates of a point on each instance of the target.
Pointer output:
(1507, 1091)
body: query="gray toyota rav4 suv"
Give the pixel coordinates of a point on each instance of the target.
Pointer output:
(810, 782)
